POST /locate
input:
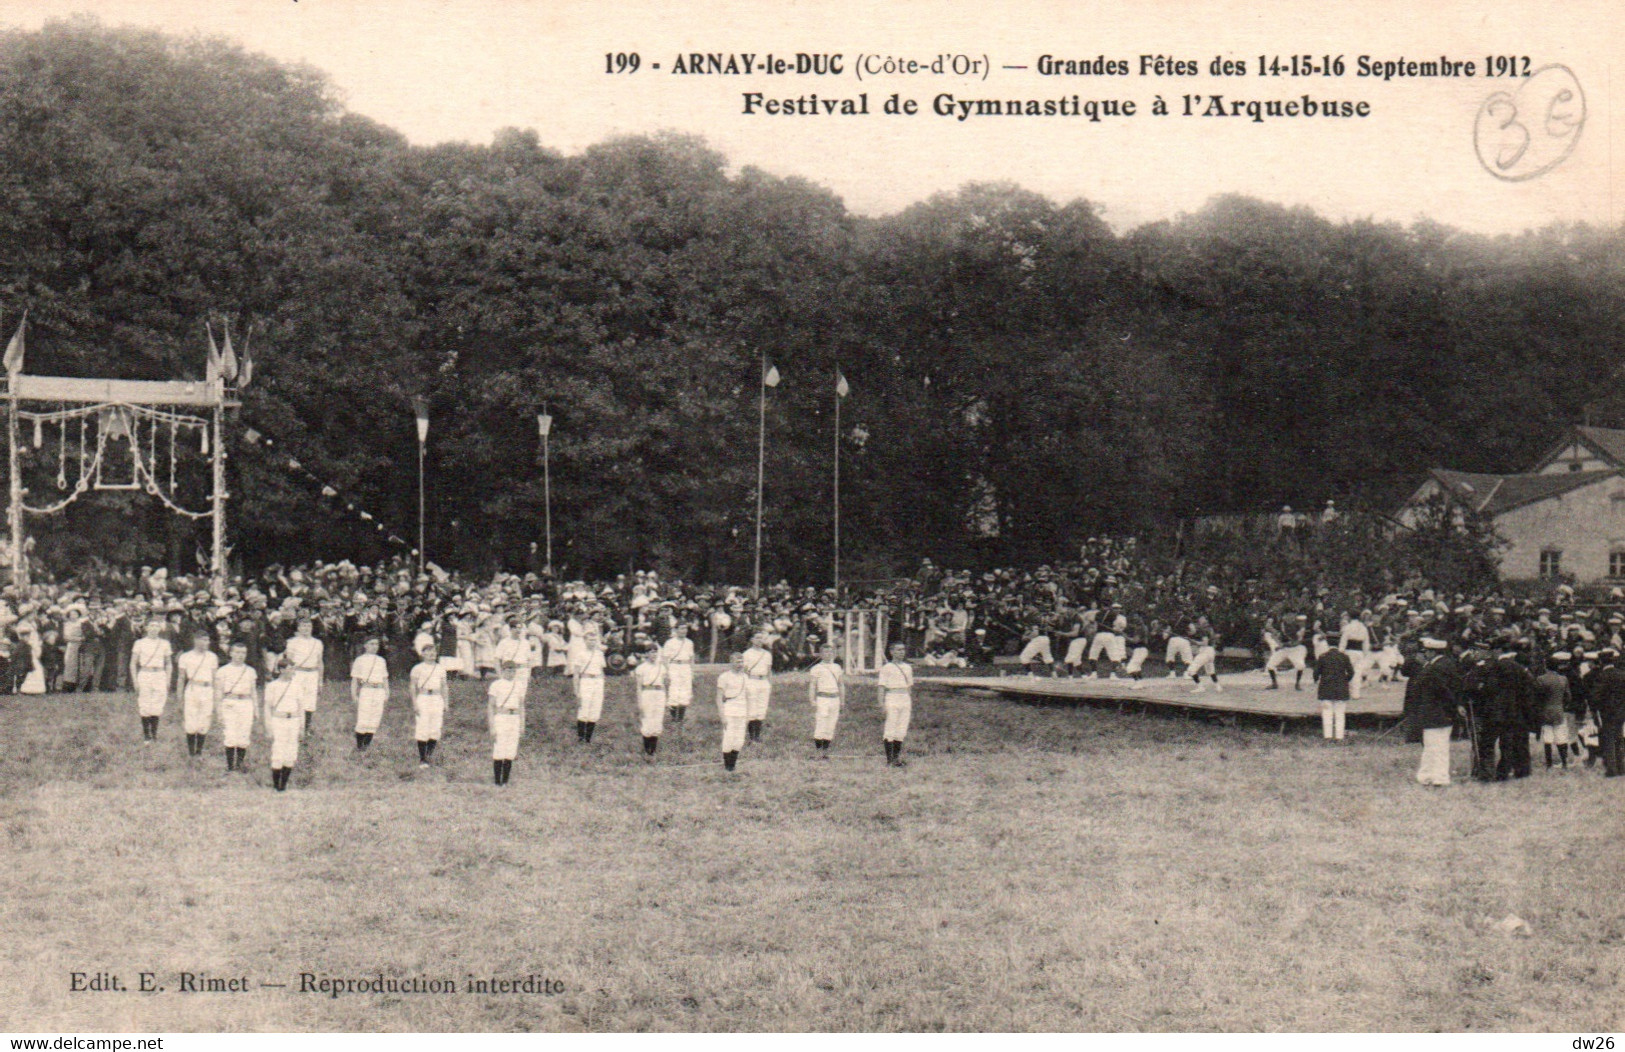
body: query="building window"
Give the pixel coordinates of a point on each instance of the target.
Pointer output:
(1616, 563)
(1551, 562)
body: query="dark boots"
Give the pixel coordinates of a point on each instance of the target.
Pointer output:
(753, 731)
(729, 759)
(894, 755)
(651, 742)
(500, 770)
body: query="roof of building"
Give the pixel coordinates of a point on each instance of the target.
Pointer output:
(1497, 494)
(1607, 442)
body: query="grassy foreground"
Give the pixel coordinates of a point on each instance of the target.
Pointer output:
(1034, 868)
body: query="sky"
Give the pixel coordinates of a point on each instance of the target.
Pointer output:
(462, 70)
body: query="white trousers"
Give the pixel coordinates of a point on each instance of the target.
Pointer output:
(897, 714)
(1108, 643)
(197, 710)
(680, 689)
(308, 685)
(521, 686)
(1435, 766)
(504, 735)
(1074, 651)
(1205, 661)
(236, 722)
(369, 709)
(590, 691)
(285, 740)
(1136, 660)
(826, 714)
(1361, 660)
(151, 691)
(1036, 649)
(651, 712)
(1179, 649)
(1293, 656)
(431, 715)
(757, 694)
(733, 725)
(1333, 714)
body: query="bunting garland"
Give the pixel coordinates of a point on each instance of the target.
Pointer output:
(256, 438)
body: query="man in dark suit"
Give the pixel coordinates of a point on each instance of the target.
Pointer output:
(1605, 689)
(1511, 713)
(1333, 674)
(1430, 704)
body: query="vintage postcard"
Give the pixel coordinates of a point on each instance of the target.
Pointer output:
(553, 516)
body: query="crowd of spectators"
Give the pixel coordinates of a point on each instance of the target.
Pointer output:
(76, 634)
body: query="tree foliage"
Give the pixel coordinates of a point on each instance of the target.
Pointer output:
(1022, 375)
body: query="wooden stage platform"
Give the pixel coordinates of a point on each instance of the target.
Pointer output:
(1244, 694)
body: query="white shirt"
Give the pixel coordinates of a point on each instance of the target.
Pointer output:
(504, 695)
(758, 663)
(896, 677)
(237, 681)
(428, 678)
(281, 700)
(826, 678)
(305, 655)
(731, 685)
(509, 651)
(651, 676)
(371, 670)
(677, 651)
(592, 663)
(151, 655)
(199, 668)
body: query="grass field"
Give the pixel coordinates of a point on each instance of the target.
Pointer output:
(1034, 868)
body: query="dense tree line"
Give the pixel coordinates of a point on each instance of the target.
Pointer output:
(1021, 375)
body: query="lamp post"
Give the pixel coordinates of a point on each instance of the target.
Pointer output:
(544, 426)
(420, 406)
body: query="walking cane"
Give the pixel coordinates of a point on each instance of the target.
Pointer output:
(1472, 732)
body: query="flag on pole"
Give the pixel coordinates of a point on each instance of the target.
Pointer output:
(841, 388)
(245, 368)
(228, 361)
(771, 379)
(14, 349)
(420, 408)
(214, 354)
